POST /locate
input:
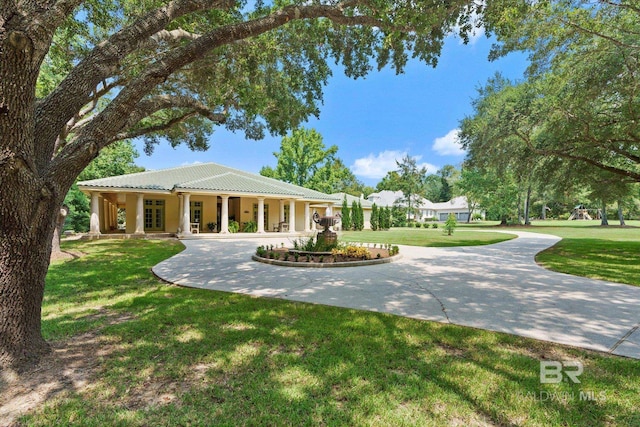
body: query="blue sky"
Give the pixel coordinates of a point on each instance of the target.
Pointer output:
(375, 120)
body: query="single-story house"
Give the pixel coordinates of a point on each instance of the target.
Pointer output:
(457, 206)
(425, 208)
(185, 199)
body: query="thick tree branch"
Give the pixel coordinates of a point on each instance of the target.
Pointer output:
(633, 157)
(601, 35)
(174, 35)
(621, 5)
(135, 133)
(53, 17)
(566, 155)
(111, 121)
(147, 107)
(81, 118)
(75, 90)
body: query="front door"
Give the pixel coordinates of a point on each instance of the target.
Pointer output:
(196, 213)
(154, 215)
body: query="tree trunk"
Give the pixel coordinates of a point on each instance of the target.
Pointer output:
(620, 215)
(544, 211)
(519, 206)
(28, 205)
(604, 220)
(57, 232)
(26, 232)
(527, 201)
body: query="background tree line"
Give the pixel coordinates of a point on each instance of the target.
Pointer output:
(569, 133)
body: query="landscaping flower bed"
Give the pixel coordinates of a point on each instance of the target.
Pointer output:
(343, 255)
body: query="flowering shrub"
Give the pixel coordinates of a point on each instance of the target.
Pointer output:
(352, 252)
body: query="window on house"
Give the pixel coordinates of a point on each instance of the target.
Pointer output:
(154, 215)
(287, 209)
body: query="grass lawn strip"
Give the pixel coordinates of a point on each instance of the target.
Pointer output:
(192, 357)
(434, 237)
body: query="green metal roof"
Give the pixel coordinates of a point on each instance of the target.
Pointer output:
(350, 199)
(206, 177)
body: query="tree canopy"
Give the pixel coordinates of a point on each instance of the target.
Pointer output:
(411, 183)
(580, 101)
(300, 157)
(572, 123)
(79, 75)
(304, 160)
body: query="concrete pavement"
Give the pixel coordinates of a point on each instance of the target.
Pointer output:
(497, 287)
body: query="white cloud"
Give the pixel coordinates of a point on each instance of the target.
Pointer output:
(377, 166)
(448, 145)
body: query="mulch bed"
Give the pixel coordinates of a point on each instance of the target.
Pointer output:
(281, 253)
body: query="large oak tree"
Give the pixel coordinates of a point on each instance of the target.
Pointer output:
(78, 75)
(580, 101)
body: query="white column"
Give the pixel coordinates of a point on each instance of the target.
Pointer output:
(307, 217)
(260, 214)
(281, 211)
(94, 221)
(224, 215)
(186, 214)
(139, 215)
(292, 216)
(180, 215)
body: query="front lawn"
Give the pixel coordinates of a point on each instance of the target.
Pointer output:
(179, 356)
(426, 237)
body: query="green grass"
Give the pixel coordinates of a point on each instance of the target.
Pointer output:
(195, 357)
(426, 237)
(587, 249)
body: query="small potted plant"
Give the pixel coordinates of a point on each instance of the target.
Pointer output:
(212, 226)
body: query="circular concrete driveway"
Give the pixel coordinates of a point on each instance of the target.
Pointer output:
(497, 287)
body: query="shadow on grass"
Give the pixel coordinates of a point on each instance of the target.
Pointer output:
(211, 358)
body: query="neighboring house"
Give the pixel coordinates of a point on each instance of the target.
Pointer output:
(366, 207)
(385, 198)
(185, 199)
(457, 206)
(425, 208)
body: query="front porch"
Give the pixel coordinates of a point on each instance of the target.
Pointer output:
(200, 215)
(115, 235)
